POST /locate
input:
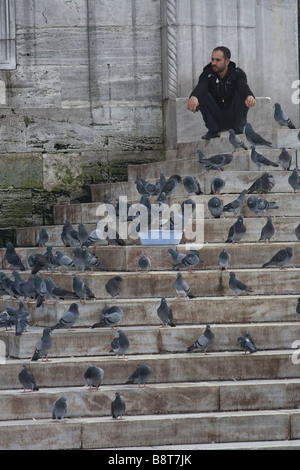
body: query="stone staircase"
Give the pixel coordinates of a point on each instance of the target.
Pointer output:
(223, 400)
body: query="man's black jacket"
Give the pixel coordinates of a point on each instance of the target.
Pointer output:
(223, 90)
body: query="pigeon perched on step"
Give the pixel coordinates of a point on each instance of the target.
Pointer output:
(113, 286)
(170, 186)
(260, 205)
(206, 339)
(82, 234)
(120, 344)
(294, 180)
(56, 292)
(165, 314)
(27, 380)
(64, 260)
(111, 317)
(189, 261)
(92, 262)
(236, 141)
(94, 377)
(29, 289)
(236, 205)
(118, 407)
(78, 260)
(70, 234)
(145, 187)
(215, 206)
(285, 159)
(68, 319)
(12, 258)
(237, 231)
(191, 185)
(264, 184)
(43, 346)
(281, 258)
(140, 376)
(254, 138)
(215, 162)
(81, 289)
(95, 236)
(176, 255)
(216, 185)
(224, 259)
(260, 160)
(22, 319)
(7, 317)
(238, 286)
(246, 342)
(42, 237)
(282, 118)
(267, 231)
(60, 409)
(182, 288)
(144, 263)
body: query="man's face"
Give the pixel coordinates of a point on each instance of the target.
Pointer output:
(218, 62)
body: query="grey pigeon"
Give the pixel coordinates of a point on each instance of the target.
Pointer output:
(82, 234)
(59, 409)
(118, 407)
(294, 180)
(43, 346)
(165, 314)
(191, 185)
(267, 231)
(29, 289)
(71, 234)
(144, 263)
(176, 255)
(238, 286)
(91, 262)
(81, 289)
(7, 317)
(120, 344)
(254, 138)
(285, 159)
(237, 231)
(140, 376)
(215, 206)
(236, 141)
(27, 379)
(236, 205)
(39, 262)
(204, 341)
(42, 237)
(224, 259)
(182, 288)
(22, 319)
(189, 261)
(259, 204)
(297, 232)
(298, 309)
(12, 257)
(264, 184)
(146, 188)
(77, 259)
(95, 237)
(216, 162)
(68, 319)
(93, 377)
(111, 317)
(18, 283)
(260, 160)
(64, 260)
(170, 186)
(216, 185)
(282, 118)
(281, 258)
(246, 342)
(113, 286)
(57, 292)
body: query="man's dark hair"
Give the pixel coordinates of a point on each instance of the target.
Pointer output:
(225, 50)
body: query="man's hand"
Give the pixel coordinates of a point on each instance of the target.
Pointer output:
(250, 101)
(192, 104)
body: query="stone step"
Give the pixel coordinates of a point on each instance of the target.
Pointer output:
(151, 430)
(151, 339)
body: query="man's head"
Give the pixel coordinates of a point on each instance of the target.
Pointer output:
(220, 59)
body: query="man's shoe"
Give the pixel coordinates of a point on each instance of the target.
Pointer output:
(210, 135)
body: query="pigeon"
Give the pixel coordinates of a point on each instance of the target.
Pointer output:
(18, 283)
(118, 407)
(236, 141)
(191, 185)
(146, 188)
(9, 288)
(59, 409)
(94, 377)
(165, 314)
(7, 317)
(189, 261)
(64, 260)
(215, 206)
(170, 186)
(95, 237)
(113, 286)
(39, 262)
(294, 180)
(204, 341)
(68, 319)
(246, 342)
(298, 309)
(112, 238)
(285, 159)
(71, 235)
(81, 289)
(42, 238)
(111, 317)
(259, 160)
(22, 319)
(29, 289)
(176, 255)
(82, 234)
(254, 138)
(77, 259)
(224, 259)
(120, 344)
(182, 288)
(12, 258)
(55, 292)
(282, 118)
(237, 286)
(216, 162)
(267, 231)
(27, 379)
(281, 258)
(264, 184)
(236, 205)
(90, 261)
(237, 231)
(259, 204)
(216, 185)
(43, 346)
(297, 232)
(144, 263)
(140, 376)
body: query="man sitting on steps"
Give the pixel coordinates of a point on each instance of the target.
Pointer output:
(222, 95)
